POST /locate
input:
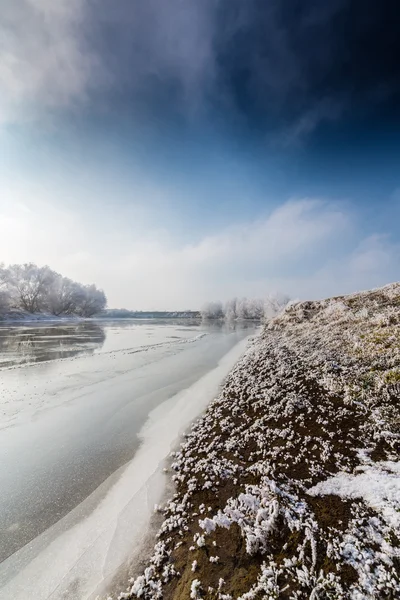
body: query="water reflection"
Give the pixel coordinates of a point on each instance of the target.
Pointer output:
(32, 343)
(228, 326)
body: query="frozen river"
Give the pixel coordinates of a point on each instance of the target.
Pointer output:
(88, 414)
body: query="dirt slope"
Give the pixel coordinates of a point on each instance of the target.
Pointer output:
(289, 485)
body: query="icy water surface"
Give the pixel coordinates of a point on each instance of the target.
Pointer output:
(36, 343)
(74, 399)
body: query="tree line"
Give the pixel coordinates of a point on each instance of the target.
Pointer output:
(34, 289)
(123, 313)
(255, 309)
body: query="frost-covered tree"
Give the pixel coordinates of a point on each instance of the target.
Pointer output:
(274, 303)
(230, 309)
(212, 310)
(40, 289)
(28, 285)
(3, 275)
(255, 309)
(64, 296)
(4, 292)
(242, 308)
(91, 301)
(249, 308)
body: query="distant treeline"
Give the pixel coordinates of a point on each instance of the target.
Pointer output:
(123, 313)
(32, 289)
(255, 309)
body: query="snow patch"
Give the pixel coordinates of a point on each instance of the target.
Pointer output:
(377, 484)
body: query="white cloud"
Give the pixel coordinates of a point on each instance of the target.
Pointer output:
(374, 253)
(294, 227)
(43, 64)
(57, 55)
(371, 262)
(296, 249)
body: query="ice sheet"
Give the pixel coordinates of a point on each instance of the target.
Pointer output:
(76, 557)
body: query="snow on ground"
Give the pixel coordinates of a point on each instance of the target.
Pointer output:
(288, 486)
(377, 484)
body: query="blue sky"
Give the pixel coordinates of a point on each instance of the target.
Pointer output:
(178, 152)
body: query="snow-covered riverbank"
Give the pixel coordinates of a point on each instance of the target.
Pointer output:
(288, 486)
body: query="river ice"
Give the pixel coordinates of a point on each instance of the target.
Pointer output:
(83, 438)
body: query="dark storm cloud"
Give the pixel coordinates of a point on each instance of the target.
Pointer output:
(262, 64)
(289, 62)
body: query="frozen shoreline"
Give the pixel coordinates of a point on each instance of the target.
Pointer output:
(89, 553)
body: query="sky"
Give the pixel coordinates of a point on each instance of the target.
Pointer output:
(184, 151)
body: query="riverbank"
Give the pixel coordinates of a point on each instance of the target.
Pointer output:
(289, 485)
